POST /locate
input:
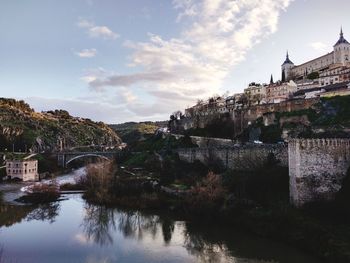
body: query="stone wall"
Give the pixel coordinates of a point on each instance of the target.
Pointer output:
(247, 157)
(317, 168)
(207, 141)
(243, 117)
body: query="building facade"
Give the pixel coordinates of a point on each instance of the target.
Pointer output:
(280, 91)
(25, 170)
(339, 56)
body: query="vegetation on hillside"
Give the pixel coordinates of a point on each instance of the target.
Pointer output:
(132, 132)
(21, 129)
(330, 118)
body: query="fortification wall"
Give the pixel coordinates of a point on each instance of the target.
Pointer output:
(236, 158)
(207, 141)
(317, 168)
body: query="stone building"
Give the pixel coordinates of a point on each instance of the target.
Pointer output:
(340, 56)
(26, 170)
(280, 91)
(255, 93)
(335, 74)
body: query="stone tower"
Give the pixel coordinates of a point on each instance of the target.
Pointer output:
(286, 68)
(342, 50)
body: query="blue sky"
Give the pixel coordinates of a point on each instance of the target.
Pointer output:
(116, 61)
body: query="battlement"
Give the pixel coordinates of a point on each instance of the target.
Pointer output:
(319, 143)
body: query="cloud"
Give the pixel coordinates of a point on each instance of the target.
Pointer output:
(97, 31)
(318, 46)
(87, 53)
(215, 38)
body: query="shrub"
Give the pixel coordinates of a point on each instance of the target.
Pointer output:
(42, 193)
(208, 194)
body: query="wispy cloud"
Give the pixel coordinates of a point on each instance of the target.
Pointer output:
(87, 53)
(318, 46)
(97, 31)
(196, 63)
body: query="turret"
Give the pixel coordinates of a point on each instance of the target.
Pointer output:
(342, 50)
(286, 68)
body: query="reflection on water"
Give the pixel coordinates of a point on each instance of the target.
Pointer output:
(98, 224)
(74, 231)
(45, 212)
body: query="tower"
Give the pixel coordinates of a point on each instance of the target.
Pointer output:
(286, 68)
(342, 50)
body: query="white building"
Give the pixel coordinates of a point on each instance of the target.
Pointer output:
(340, 56)
(26, 170)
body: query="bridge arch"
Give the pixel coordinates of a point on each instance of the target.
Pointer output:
(87, 155)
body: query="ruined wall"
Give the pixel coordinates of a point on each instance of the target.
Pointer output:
(317, 168)
(247, 157)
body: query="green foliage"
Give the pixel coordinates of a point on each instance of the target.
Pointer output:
(266, 185)
(313, 75)
(271, 134)
(137, 159)
(19, 104)
(334, 111)
(47, 163)
(132, 132)
(222, 127)
(21, 126)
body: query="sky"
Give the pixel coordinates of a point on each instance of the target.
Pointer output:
(138, 60)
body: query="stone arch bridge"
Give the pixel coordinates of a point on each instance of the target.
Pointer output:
(64, 158)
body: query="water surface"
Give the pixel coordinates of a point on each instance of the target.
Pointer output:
(74, 231)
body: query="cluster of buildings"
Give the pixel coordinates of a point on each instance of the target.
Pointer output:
(325, 76)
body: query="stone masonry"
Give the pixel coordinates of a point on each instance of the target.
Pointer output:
(247, 157)
(317, 168)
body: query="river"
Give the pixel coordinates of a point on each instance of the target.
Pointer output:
(71, 230)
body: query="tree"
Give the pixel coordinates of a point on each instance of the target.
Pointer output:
(313, 75)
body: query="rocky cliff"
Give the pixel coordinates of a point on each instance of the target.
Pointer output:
(23, 128)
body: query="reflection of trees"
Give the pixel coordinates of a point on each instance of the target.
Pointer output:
(4, 258)
(205, 251)
(215, 244)
(48, 211)
(168, 227)
(98, 223)
(11, 214)
(136, 224)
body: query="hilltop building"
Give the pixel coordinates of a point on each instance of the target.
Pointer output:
(280, 91)
(300, 88)
(340, 56)
(26, 170)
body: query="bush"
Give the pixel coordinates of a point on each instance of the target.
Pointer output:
(208, 195)
(99, 180)
(42, 193)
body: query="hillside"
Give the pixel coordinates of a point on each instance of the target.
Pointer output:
(330, 118)
(131, 132)
(22, 127)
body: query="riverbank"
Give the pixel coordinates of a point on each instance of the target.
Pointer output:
(256, 201)
(76, 231)
(326, 239)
